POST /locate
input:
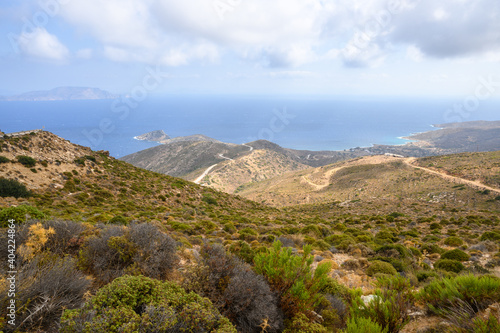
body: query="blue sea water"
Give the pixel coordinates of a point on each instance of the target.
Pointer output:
(313, 123)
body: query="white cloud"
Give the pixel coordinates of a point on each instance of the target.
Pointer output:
(450, 28)
(42, 44)
(286, 33)
(84, 53)
(413, 53)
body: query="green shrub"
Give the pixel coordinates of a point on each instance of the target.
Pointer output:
(490, 235)
(435, 226)
(300, 323)
(480, 325)
(293, 278)
(20, 213)
(27, 161)
(13, 188)
(363, 325)
(455, 254)
(119, 219)
(453, 241)
(312, 229)
(478, 292)
(138, 303)
(383, 267)
(243, 250)
(209, 199)
(424, 275)
(393, 250)
(390, 305)
(4, 159)
(229, 228)
(431, 248)
(449, 265)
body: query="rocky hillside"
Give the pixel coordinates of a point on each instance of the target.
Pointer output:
(226, 166)
(406, 229)
(384, 183)
(72, 181)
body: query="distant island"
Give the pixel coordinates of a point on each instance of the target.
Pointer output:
(155, 136)
(161, 137)
(62, 94)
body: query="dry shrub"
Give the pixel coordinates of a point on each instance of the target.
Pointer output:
(138, 249)
(46, 286)
(67, 237)
(238, 292)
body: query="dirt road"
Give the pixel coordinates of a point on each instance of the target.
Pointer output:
(475, 184)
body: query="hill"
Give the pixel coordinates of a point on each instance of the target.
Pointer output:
(451, 138)
(62, 94)
(230, 167)
(155, 136)
(227, 166)
(382, 183)
(73, 182)
(105, 229)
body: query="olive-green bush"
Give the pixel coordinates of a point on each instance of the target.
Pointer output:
(13, 188)
(449, 265)
(455, 254)
(383, 267)
(443, 294)
(20, 214)
(141, 304)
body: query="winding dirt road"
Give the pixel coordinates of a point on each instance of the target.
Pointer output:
(199, 179)
(475, 184)
(325, 179)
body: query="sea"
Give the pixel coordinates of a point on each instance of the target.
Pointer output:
(298, 122)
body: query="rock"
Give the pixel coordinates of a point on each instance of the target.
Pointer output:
(369, 298)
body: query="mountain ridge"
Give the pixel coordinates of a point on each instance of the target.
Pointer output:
(62, 94)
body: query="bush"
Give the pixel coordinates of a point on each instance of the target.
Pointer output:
(155, 256)
(292, 277)
(67, 237)
(453, 241)
(209, 199)
(238, 292)
(424, 275)
(13, 188)
(444, 294)
(363, 325)
(20, 213)
(116, 251)
(490, 235)
(4, 159)
(45, 287)
(455, 254)
(119, 219)
(383, 267)
(449, 265)
(141, 304)
(390, 306)
(300, 323)
(27, 161)
(432, 248)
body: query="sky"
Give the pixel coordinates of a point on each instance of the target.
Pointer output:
(307, 47)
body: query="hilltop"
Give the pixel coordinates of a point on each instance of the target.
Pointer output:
(229, 165)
